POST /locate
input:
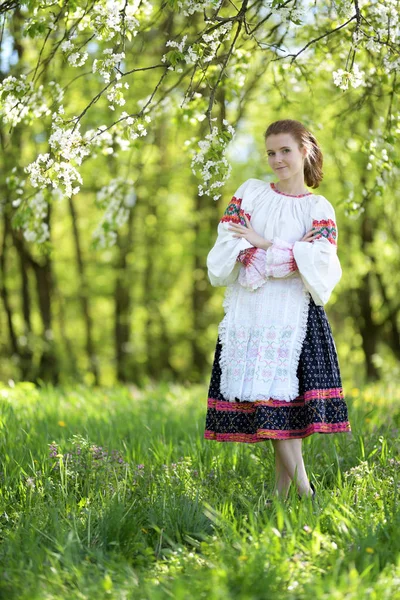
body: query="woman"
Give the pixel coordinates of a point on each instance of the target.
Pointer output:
(276, 373)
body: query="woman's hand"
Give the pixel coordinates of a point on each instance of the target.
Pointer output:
(249, 234)
(310, 235)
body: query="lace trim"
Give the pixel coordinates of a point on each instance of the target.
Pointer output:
(252, 273)
(299, 344)
(223, 361)
(280, 260)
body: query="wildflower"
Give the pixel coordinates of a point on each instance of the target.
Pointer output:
(30, 482)
(53, 450)
(61, 423)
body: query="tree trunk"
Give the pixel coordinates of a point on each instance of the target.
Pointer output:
(4, 290)
(84, 296)
(123, 303)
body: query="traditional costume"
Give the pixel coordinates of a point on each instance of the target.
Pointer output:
(275, 373)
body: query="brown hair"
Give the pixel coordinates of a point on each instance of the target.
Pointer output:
(313, 173)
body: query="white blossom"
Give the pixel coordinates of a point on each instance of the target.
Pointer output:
(116, 199)
(189, 7)
(206, 49)
(116, 96)
(213, 173)
(77, 59)
(107, 65)
(342, 78)
(20, 102)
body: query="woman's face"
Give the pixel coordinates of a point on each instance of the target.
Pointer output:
(284, 156)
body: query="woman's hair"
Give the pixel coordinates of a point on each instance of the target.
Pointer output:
(313, 161)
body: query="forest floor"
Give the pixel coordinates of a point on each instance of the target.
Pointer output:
(114, 493)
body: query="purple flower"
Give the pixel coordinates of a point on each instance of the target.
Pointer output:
(53, 450)
(140, 466)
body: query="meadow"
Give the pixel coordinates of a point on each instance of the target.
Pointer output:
(114, 493)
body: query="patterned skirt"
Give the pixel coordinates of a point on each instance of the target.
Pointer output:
(319, 408)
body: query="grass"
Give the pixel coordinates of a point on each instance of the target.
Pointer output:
(114, 493)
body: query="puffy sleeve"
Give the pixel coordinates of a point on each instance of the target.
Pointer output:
(259, 264)
(222, 264)
(317, 261)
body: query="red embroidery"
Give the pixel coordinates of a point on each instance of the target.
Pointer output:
(293, 264)
(234, 213)
(247, 256)
(327, 229)
(272, 184)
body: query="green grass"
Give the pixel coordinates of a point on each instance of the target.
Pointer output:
(114, 493)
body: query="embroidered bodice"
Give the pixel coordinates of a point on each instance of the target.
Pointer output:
(268, 291)
(282, 219)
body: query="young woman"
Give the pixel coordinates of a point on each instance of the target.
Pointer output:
(276, 373)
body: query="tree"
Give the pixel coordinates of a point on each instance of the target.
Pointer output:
(84, 86)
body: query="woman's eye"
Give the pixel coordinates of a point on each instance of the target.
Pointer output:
(272, 153)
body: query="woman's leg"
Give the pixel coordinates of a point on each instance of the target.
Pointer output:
(291, 458)
(282, 479)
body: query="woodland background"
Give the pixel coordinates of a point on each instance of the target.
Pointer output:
(143, 308)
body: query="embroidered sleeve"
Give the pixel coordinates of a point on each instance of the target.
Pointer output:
(317, 261)
(222, 264)
(234, 212)
(280, 261)
(252, 273)
(260, 264)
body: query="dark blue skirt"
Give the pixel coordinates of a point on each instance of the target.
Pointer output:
(319, 408)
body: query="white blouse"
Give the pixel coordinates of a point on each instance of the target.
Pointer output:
(268, 291)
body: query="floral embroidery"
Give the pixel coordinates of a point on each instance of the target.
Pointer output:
(247, 256)
(293, 264)
(327, 229)
(234, 213)
(272, 185)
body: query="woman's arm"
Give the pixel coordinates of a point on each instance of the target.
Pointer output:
(223, 267)
(318, 263)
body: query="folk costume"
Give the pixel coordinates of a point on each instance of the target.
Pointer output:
(275, 373)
